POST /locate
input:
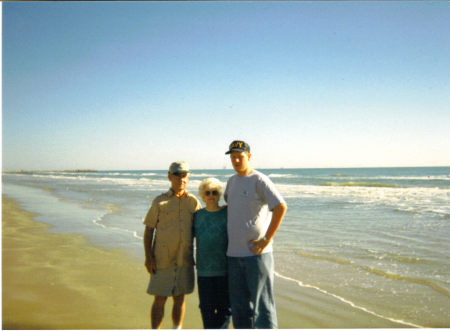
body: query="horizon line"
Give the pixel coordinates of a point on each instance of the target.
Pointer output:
(201, 169)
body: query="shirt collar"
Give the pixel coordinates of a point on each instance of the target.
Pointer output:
(171, 193)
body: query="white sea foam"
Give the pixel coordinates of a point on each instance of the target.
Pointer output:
(412, 199)
(134, 182)
(99, 222)
(391, 178)
(420, 200)
(149, 174)
(424, 178)
(206, 175)
(282, 176)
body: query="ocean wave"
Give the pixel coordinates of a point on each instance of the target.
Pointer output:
(339, 175)
(113, 209)
(295, 173)
(140, 181)
(325, 258)
(390, 256)
(417, 178)
(361, 184)
(282, 176)
(393, 276)
(393, 178)
(205, 175)
(379, 272)
(355, 193)
(421, 200)
(55, 176)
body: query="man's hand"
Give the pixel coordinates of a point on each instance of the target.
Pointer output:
(258, 245)
(150, 264)
(277, 216)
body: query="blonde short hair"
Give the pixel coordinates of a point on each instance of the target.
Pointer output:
(212, 183)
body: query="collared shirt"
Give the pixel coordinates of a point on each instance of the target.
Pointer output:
(172, 217)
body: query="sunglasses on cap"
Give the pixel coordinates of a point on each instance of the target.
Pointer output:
(215, 193)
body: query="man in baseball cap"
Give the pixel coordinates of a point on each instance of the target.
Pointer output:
(255, 211)
(168, 246)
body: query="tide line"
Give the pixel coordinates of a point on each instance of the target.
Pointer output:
(98, 220)
(301, 284)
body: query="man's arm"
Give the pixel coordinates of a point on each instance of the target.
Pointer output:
(277, 216)
(150, 262)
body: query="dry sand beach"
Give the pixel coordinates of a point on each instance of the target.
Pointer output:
(62, 281)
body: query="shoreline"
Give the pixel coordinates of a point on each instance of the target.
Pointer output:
(62, 281)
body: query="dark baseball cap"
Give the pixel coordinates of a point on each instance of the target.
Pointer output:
(238, 146)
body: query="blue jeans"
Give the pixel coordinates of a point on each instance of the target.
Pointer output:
(251, 292)
(214, 302)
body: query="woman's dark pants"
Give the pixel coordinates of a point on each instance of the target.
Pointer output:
(214, 302)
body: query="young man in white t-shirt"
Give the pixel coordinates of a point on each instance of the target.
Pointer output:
(255, 211)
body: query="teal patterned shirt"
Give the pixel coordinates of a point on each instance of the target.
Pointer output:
(210, 232)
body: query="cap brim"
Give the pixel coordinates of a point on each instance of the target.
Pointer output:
(239, 150)
(179, 172)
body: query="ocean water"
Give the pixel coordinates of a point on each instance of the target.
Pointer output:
(376, 239)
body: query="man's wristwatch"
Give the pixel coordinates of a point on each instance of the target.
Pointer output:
(265, 239)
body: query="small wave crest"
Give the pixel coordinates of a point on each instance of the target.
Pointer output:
(379, 272)
(113, 209)
(361, 184)
(149, 174)
(281, 176)
(419, 281)
(339, 175)
(417, 200)
(325, 258)
(206, 175)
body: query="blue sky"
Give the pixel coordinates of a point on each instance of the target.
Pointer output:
(120, 85)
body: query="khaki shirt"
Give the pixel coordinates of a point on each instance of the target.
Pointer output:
(172, 218)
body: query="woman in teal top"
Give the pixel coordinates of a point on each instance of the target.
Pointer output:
(210, 231)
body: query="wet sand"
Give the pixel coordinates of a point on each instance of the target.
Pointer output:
(62, 281)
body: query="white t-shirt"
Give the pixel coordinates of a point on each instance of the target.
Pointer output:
(250, 201)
